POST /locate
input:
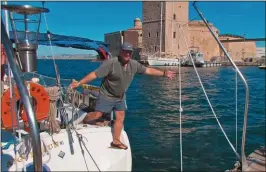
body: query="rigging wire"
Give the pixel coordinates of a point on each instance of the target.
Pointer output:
(51, 48)
(82, 150)
(80, 137)
(55, 66)
(58, 82)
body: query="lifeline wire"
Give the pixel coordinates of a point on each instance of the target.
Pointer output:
(236, 108)
(209, 101)
(180, 107)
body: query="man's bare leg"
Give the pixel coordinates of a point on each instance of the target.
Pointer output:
(92, 116)
(118, 126)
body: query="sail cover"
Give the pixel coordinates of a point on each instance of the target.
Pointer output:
(65, 41)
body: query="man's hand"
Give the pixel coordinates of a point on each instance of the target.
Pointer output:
(74, 84)
(170, 74)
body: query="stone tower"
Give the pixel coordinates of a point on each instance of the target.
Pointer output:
(174, 14)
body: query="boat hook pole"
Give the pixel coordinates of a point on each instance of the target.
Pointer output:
(243, 156)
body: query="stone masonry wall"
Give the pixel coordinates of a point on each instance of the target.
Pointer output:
(200, 38)
(114, 40)
(239, 50)
(152, 24)
(176, 18)
(151, 27)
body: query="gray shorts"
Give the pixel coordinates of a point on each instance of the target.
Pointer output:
(105, 105)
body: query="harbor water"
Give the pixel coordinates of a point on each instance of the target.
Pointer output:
(152, 119)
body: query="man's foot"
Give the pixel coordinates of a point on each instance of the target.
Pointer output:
(119, 145)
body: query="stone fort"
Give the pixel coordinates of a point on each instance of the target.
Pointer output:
(178, 35)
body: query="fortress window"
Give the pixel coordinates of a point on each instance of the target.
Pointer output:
(149, 34)
(174, 16)
(157, 34)
(174, 35)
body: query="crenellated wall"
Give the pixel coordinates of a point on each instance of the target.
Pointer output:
(238, 50)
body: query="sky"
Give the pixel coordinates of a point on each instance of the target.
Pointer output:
(93, 19)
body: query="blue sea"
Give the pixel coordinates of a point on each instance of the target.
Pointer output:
(152, 119)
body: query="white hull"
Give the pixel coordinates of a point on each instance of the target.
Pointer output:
(262, 67)
(97, 140)
(163, 62)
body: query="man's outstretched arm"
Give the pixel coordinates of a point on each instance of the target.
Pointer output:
(88, 78)
(152, 71)
(157, 72)
(102, 71)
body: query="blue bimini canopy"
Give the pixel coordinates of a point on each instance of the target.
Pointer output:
(65, 41)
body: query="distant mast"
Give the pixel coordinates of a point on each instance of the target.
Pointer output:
(161, 28)
(172, 45)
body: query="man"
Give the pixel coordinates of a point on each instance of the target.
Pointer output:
(118, 74)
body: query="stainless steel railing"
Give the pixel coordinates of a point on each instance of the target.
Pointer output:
(243, 156)
(34, 130)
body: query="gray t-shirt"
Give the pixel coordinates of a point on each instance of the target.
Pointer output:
(116, 78)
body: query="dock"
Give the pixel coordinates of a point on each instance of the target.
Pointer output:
(206, 64)
(256, 160)
(213, 64)
(242, 63)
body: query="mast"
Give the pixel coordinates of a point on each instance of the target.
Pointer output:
(172, 45)
(161, 30)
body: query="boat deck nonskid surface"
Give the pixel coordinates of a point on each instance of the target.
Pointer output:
(97, 151)
(96, 140)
